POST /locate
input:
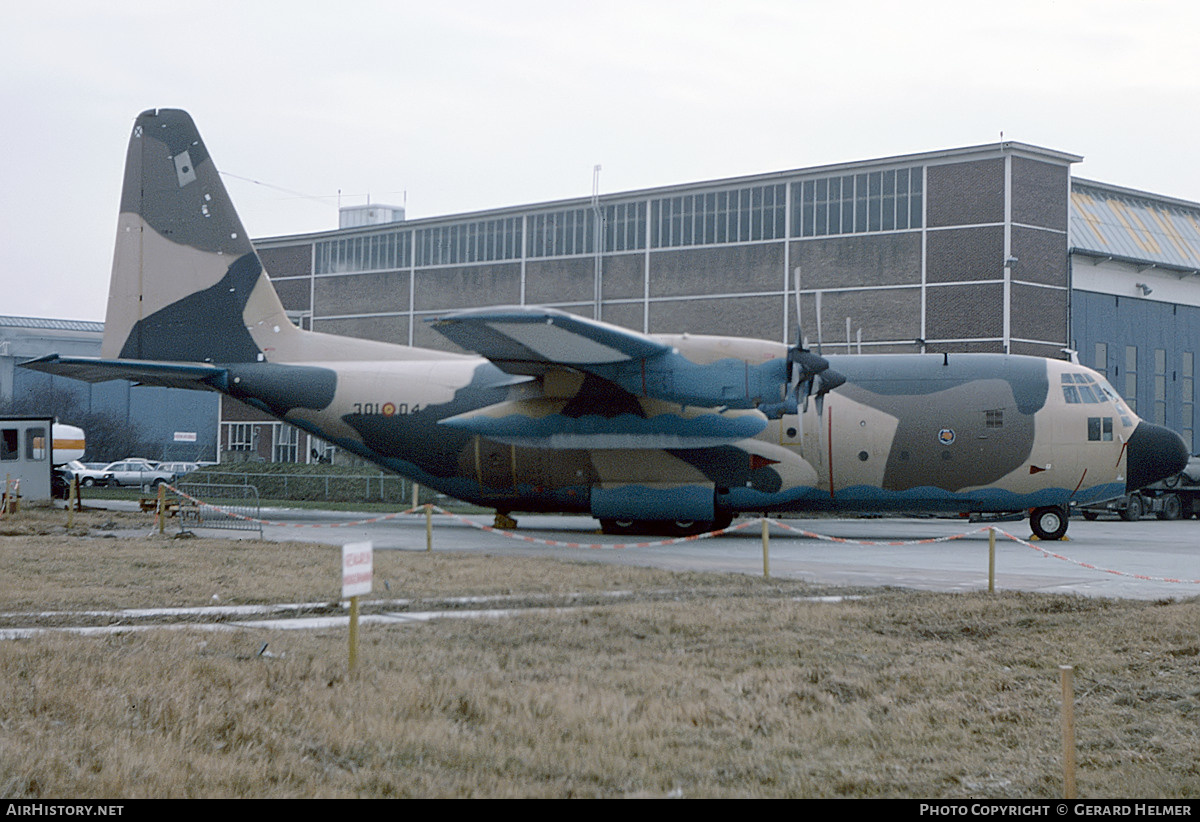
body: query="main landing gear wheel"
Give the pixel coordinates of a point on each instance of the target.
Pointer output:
(664, 528)
(1049, 522)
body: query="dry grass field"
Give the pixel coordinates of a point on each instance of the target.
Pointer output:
(686, 685)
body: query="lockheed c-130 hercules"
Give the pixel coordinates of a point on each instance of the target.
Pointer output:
(556, 412)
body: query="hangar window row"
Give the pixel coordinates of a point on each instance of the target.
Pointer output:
(474, 242)
(370, 252)
(573, 231)
(735, 216)
(849, 204)
(858, 203)
(562, 233)
(455, 244)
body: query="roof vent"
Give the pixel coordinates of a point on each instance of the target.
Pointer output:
(371, 214)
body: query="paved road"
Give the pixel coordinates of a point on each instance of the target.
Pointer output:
(1120, 552)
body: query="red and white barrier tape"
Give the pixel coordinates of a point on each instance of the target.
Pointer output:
(847, 540)
(1091, 567)
(693, 538)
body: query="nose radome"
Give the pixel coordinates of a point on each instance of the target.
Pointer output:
(1154, 453)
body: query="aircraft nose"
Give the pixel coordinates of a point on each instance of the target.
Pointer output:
(1154, 453)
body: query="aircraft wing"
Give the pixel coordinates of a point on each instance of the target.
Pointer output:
(532, 340)
(166, 374)
(537, 341)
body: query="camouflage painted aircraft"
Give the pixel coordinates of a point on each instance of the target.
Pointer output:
(555, 412)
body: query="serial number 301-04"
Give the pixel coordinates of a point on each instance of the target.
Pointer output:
(387, 409)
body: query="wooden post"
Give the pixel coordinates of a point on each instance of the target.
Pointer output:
(766, 540)
(12, 496)
(991, 560)
(428, 526)
(353, 632)
(1068, 730)
(161, 507)
(72, 494)
(416, 495)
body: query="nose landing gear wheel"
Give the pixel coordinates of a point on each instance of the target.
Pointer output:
(1049, 522)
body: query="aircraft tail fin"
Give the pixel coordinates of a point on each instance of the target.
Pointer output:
(187, 284)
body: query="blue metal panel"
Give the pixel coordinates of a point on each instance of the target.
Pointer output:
(1120, 322)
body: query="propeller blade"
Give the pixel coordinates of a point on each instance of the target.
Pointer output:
(807, 373)
(825, 382)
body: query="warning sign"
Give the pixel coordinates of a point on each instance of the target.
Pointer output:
(357, 568)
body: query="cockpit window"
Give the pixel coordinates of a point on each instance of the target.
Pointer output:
(1081, 388)
(1111, 395)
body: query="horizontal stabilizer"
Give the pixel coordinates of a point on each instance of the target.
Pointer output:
(165, 374)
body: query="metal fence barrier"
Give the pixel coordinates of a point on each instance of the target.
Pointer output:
(381, 487)
(236, 507)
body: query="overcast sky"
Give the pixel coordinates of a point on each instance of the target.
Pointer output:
(448, 106)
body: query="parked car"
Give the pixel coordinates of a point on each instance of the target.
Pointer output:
(178, 469)
(135, 471)
(87, 475)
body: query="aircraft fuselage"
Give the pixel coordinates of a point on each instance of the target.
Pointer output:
(956, 432)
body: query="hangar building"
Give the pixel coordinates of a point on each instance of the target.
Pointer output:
(984, 248)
